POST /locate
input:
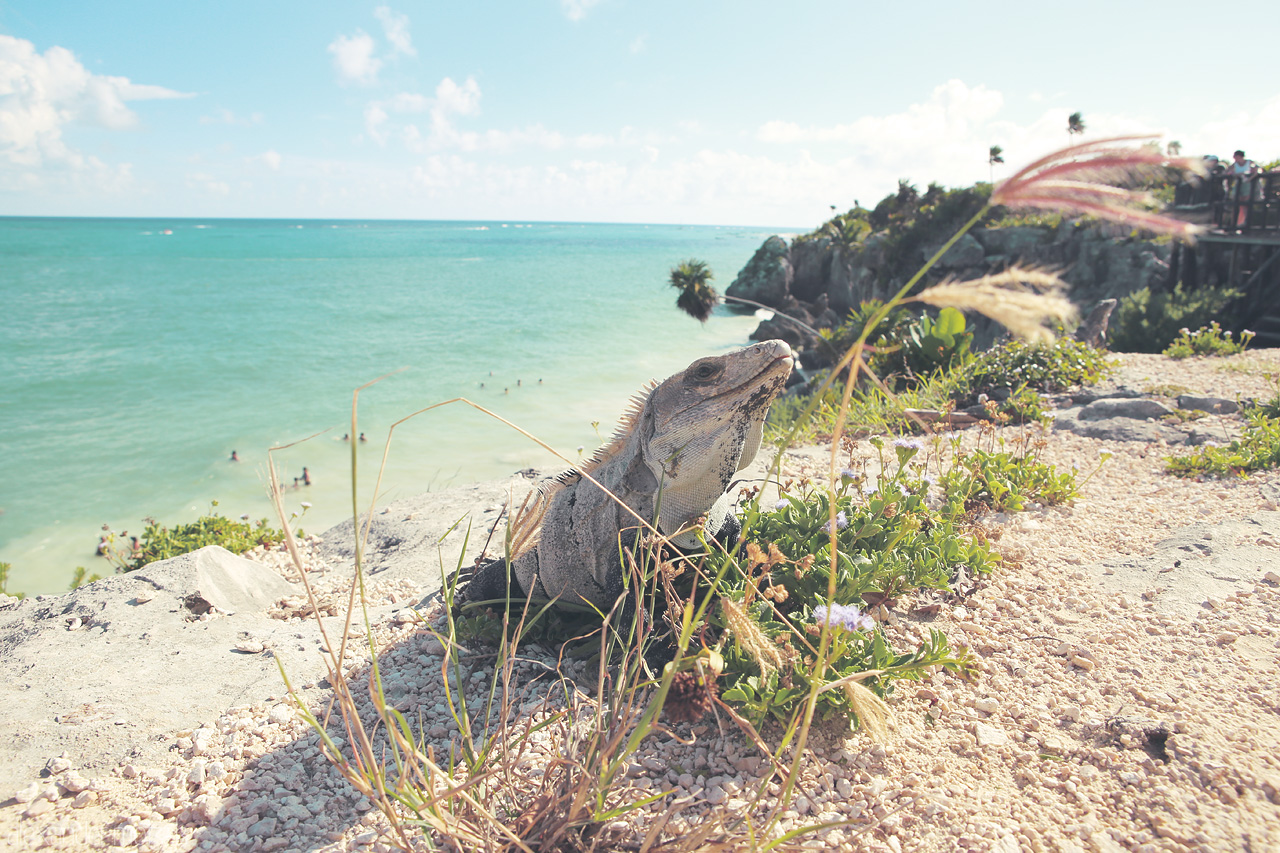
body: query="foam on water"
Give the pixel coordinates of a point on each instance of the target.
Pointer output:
(132, 362)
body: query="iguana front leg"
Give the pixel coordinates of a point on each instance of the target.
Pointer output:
(492, 581)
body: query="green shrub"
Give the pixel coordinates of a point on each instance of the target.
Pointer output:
(1207, 340)
(1004, 482)
(1053, 366)
(1256, 450)
(1148, 322)
(159, 542)
(5, 568)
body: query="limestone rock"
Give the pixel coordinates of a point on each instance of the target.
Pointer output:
(1216, 405)
(967, 252)
(1139, 409)
(767, 276)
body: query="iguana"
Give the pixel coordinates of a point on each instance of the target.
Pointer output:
(671, 460)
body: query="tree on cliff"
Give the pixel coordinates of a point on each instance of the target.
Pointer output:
(1075, 124)
(994, 155)
(697, 297)
(1174, 148)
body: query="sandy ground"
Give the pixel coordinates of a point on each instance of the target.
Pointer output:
(1126, 697)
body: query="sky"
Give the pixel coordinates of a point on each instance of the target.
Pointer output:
(706, 112)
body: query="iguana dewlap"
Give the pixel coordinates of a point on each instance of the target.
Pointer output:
(672, 458)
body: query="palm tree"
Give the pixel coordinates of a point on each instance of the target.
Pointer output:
(1174, 148)
(995, 154)
(697, 297)
(1075, 124)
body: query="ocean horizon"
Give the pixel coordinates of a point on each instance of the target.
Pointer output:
(139, 353)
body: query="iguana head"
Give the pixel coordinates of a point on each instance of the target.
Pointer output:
(705, 423)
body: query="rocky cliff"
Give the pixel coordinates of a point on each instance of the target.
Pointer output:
(818, 281)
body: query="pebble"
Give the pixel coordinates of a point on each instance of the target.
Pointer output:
(122, 836)
(1083, 663)
(1272, 577)
(987, 705)
(252, 647)
(989, 735)
(61, 764)
(72, 782)
(39, 807)
(1226, 638)
(28, 793)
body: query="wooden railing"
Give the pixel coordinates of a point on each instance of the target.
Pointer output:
(1249, 206)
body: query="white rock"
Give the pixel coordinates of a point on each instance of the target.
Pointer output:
(987, 705)
(39, 807)
(72, 782)
(1226, 638)
(61, 764)
(1083, 663)
(84, 798)
(281, 714)
(157, 838)
(121, 836)
(1272, 577)
(198, 772)
(1072, 713)
(989, 735)
(28, 793)
(251, 647)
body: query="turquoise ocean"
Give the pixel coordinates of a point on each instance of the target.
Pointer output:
(136, 355)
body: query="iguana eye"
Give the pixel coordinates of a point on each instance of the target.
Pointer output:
(705, 371)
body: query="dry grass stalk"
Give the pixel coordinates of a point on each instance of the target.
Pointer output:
(767, 654)
(1022, 300)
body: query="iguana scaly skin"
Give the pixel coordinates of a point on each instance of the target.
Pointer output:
(673, 456)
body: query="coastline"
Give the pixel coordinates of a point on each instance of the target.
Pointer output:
(129, 411)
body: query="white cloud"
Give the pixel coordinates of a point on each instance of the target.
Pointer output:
(462, 100)
(396, 27)
(952, 108)
(40, 96)
(639, 43)
(270, 158)
(1254, 131)
(576, 10)
(353, 58)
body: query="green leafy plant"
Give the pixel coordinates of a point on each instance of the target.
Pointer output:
(82, 577)
(160, 542)
(1148, 322)
(5, 568)
(1054, 366)
(940, 344)
(1207, 340)
(1256, 450)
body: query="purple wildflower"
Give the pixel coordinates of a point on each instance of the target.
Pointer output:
(913, 443)
(846, 616)
(841, 523)
(782, 504)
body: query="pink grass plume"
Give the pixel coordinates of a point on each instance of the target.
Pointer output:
(1082, 179)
